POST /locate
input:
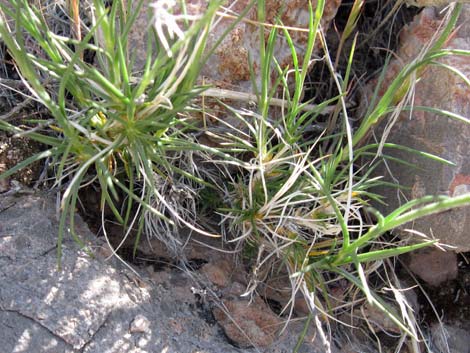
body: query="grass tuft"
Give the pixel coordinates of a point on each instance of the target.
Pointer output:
(288, 187)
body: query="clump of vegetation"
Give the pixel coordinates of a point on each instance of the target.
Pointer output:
(109, 126)
(293, 197)
(306, 201)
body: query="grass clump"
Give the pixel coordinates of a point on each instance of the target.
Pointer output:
(304, 200)
(112, 123)
(293, 196)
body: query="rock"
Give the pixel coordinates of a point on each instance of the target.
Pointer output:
(19, 333)
(450, 339)
(422, 3)
(193, 250)
(278, 288)
(432, 133)
(140, 324)
(229, 65)
(97, 306)
(247, 325)
(355, 347)
(89, 305)
(72, 303)
(218, 272)
(235, 289)
(433, 265)
(377, 319)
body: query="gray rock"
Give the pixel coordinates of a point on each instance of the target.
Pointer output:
(22, 334)
(93, 306)
(72, 303)
(450, 339)
(140, 324)
(425, 131)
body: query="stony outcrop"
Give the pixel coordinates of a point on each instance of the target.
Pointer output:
(229, 66)
(95, 306)
(427, 131)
